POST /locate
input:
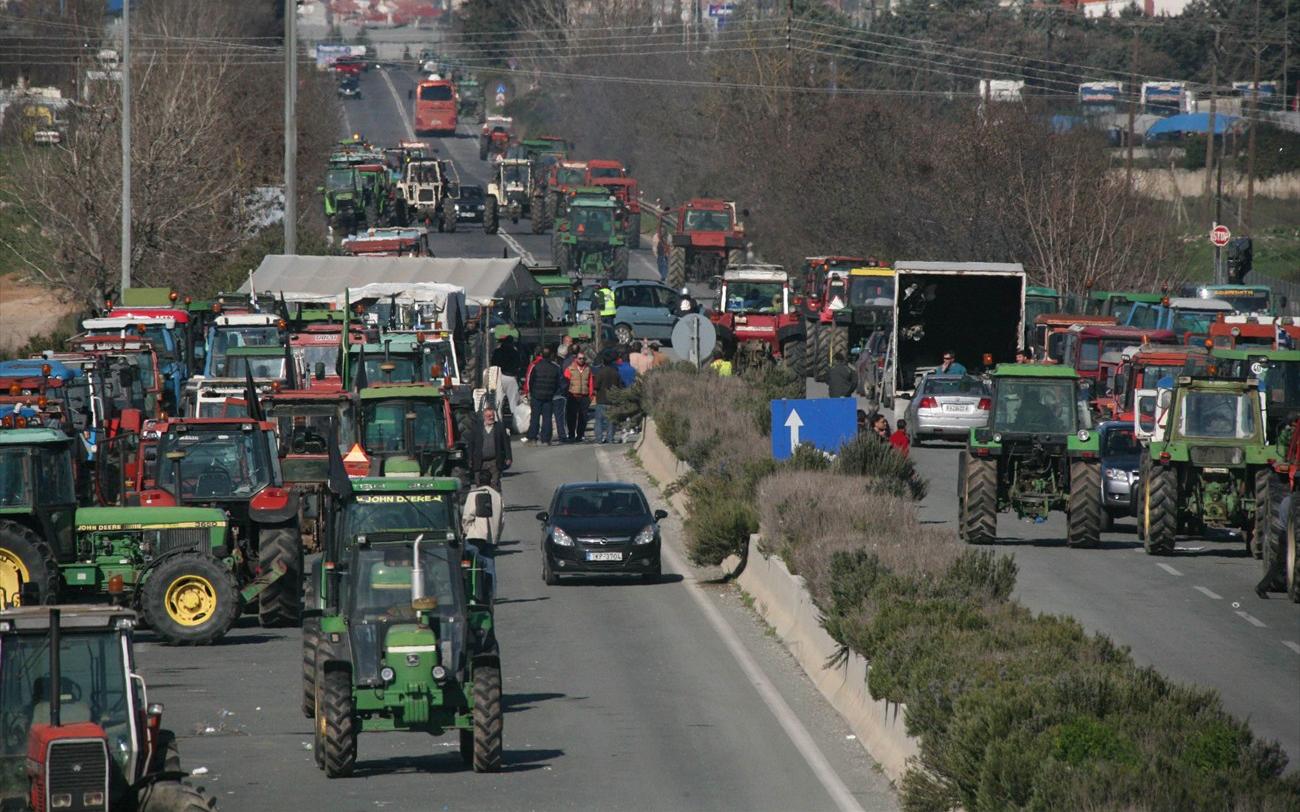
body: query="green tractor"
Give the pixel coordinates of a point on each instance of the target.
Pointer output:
(590, 238)
(1208, 464)
(410, 429)
(343, 198)
(1037, 454)
(77, 730)
(401, 635)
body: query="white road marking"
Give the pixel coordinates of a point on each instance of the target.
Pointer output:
(1252, 620)
(1208, 593)
(1291, 644)
(1169, 569)
(517, 248)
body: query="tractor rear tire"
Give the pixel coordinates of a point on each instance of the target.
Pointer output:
(677, 268)
(979, 501)
(487, 719)
(339, 723)
(174, 796)
(813, 350)
(621, 263)
(448, 217)
(280, 604)
(1084, 508)
(537, 214)
(491, 219)
(174, 595)
(1159, 515)
(792, 353)
(310, 646)
(1291, 550)
(21, 549)
(735, 257)
(833, 340)
(1264, 524)
(560, 256)
(634, 231)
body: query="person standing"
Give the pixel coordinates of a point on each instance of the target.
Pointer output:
(606, 379)
(543, 382)
(605, 302)
(641, 358)
(510, 361)
(582, 394)
(881, 428)
(489, 450)
(841, 380)
(899, 439)
(560, 399)
(660, 359)
(950, 365)
(626, 372)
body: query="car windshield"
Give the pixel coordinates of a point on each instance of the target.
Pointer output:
(390, 512)
(385, 425)
(381, 580)
(963, 386)
(92, 688)
(754, 297)
(866, 290)
(218, 463)
(613, 501)
(15, 479)
(224, 338)
(435, 93)
(1217, 415)
(54, 476)
(262, 366)
(1119, 442)
(1035, 406)
(471, 194)
(339, 180)
(697, 220)
(313, 354)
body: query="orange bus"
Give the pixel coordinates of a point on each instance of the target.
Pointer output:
(435, 108)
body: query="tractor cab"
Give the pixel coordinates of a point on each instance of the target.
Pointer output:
(753, 290)
(230, 330)
(38, 505)
(754, 319)
(408, 430)
(1278, 374)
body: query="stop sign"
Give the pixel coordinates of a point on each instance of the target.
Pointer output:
(1219, 235)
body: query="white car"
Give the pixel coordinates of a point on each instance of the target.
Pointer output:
(947, 407)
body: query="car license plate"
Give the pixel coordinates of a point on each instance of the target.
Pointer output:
(955, 407)
(604, 556)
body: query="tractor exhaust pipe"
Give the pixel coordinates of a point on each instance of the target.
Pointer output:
(56, 680)
(417, 573)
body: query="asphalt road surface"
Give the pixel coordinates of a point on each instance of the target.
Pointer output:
(618, 695)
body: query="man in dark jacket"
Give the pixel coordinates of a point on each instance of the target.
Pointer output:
(841, 380)
(607, 380)
(543, 382)
(489, 450)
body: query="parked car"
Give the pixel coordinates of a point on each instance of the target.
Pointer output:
(1121, 454)
(646, 309)
(947, 407)
(600, 528)
(470, 204)
(349, 87)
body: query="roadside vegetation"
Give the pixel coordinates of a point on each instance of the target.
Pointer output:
(1012, 709)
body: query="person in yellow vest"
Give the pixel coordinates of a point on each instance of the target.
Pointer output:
(721, 365)
(606, 300)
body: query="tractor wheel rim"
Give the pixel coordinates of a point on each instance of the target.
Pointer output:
(13, 574)
(190, 600)
(1291, 545)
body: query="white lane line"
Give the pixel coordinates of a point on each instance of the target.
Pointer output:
(789, 722)
(1208, 593)
(1169, 569)
(1291, 644)
(517, 248)
(1251, 619)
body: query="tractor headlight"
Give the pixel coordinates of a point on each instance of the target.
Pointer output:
(61, 800)
(439, 673)
(387, 674)
(997, 437)
(561, 538)
(1083, 435)
(646, 536)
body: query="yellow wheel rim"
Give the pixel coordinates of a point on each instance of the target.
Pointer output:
(191, 600)
(13, 574)
(1146, 508)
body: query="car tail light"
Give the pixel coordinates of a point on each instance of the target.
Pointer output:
(984, 405)
(928, 403)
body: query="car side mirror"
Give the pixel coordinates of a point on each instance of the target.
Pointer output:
(660, 515)
(483, 505)
(543, 517)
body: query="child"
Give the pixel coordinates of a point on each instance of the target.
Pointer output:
(899, 438)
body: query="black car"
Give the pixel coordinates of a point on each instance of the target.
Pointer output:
(600, 528)
(1121, 458)
(470, 204)
(349, 87)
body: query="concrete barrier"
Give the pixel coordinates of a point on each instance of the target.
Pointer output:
(783, 601)
(660, 462)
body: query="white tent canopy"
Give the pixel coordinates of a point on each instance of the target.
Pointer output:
(481, 279)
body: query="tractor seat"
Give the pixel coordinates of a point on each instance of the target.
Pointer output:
(70, 712)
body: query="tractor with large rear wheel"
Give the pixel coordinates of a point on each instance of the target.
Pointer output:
(705, 238)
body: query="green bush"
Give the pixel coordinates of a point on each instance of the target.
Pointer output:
(891, 472)
(719, 525)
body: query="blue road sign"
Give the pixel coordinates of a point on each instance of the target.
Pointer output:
(827, 423)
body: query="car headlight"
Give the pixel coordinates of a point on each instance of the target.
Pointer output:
(561, 538)
(1117, 473)
(646, 536)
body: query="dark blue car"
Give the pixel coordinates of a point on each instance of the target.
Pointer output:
(600, 528)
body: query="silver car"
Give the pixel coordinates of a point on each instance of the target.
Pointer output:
(947, 407)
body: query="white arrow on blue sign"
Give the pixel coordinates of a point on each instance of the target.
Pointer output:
(826, 423)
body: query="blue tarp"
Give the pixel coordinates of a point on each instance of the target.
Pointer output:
(1197, 123)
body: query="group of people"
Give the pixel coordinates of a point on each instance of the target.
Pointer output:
(877, 425)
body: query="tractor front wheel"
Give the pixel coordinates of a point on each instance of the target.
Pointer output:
(25, 559)
(813, 350)
(1267, 526)
(1159, 516)
(338, 723)
(491, 219)
(1291, 560)
(310, 645)
(979, 500)
(677, 268)
(634, 231)
(487, 719)
(537, 214)
(280, 604)
(560, 256)
(448, 216)
(190, 600)
(1085, 508)
(174, 796)
(621, 263)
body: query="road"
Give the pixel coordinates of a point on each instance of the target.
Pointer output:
(618, 695)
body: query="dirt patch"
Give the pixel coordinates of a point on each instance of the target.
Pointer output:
(26, 311)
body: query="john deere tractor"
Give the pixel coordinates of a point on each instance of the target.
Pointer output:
(1037, 454)
(343, 198)
(1208, 465)
(591, 236)
(400, 636)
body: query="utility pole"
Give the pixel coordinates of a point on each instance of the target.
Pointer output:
(1132, 109)
(290, 126)
(126, 148)
(1286, 50)
(1209, 136)
(1253, 123)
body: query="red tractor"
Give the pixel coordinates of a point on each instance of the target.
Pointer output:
(754, 319)
(494, 136)
(307, 418)
(706, 239)
(562, 179)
